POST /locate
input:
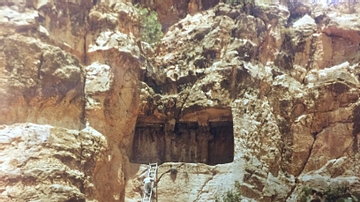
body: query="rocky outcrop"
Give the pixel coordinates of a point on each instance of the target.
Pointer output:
(42, 78)
(292, 102)
(171, 11)
(264, 95)
(45, 163)
(46, 84)
(69, 78)
(112, 97)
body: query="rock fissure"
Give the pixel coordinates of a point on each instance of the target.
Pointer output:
(293, 188)
(349, 149)
(202, 188)
(85, 49)
(309, 154)
(288, 74)
(311, 56)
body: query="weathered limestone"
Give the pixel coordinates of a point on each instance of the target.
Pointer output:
(292, 104)
(111, 92)
(46, 84)
(57, 70)
(45, 163)
(79, 91)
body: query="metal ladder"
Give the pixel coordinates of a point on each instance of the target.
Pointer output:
(151, 173)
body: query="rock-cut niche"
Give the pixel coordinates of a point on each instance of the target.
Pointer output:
(185, 141)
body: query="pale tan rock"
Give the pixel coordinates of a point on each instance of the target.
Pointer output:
(14, 20)
(249, 27)
(284, 99)
(280, 124)
(57, 161)
(303, 142)
(193, 7)
(302, 44)
(306, 24)
(48, 87)
(345, 26)
(67, 32)
(171, 11)
(340, 72)
(288, 86)
(334, 174)
(46, 84)
(112, 94)
(331, 143)
(323, 51)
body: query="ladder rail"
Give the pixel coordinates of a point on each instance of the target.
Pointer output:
(151, 175)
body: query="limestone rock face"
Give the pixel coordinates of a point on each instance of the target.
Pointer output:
(291, 103)
(171, 11)
(45, 163)
(46, 84)
(112, 97)
(69, 77)
(264, 95)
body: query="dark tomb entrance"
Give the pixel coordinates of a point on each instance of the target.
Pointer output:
(187, 142)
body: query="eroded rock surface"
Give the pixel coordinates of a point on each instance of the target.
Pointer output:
(67, 68)
(293, 104)
(45, 163)
(85, 104)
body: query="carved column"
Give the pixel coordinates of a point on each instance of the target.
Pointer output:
(170, 137)
(204, 137)
(169, 145)
(192, 146)
(185, 137)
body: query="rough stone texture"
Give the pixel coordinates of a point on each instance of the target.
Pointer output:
(171, 11)
(112, 98)
(292, 86)
(75, 80)
(74, 67)
(45, 163)
(46, 84)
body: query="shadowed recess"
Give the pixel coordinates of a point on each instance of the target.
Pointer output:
(188, 142)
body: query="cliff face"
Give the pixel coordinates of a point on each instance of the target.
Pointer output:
(264, 95)
(71, 70)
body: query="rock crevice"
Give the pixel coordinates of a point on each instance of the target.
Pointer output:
(264, 95)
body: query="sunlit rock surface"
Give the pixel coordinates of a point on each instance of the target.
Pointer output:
(264, 95)
(45, 163)
(293, 105)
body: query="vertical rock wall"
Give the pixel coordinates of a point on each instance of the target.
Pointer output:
(71, 97)
(293, 104)
(69, 87)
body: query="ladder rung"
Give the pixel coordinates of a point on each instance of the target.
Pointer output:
(151, 173)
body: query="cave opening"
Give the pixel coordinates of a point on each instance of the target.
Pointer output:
(185, 142)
